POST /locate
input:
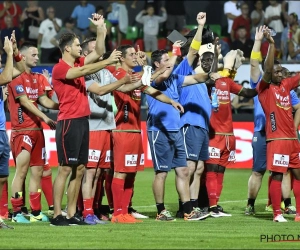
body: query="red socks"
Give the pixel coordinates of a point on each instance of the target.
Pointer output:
(16, 203)
(296, 190)
(97, 197)
(88, 207)
(128, 191)
(4, 200)
(220, 178)
(117, 188)
(35, 201)
(275, 194)
(211, 185)
(108, 190)
(46, 183)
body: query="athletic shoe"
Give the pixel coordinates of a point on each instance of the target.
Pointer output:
(89, 219)
(19, 218)
(165, 215)
(220, 208)
(103, 217)
(297, 218)
(269, 208)
(279, 218)
(131, 217)
(195, 215)
(24, 211)
(179, 214)
(41, 217)
(51, 211)
(290, 210)
(204, 209)
(136, 214)
(5, 226)
(98, 221)
(249, 210)
(282, 206)
(76, 220)
(121, 219)
(59, 221)
(5, 216)
(214, 212)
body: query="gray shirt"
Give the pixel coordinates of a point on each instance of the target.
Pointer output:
(102, 116)
(151, 23)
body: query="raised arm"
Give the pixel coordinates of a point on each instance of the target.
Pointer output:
(94, 67)
(256, 57)
(20, 63)
(99, 50)
(269, 62)
(7, 73)
(196, 43)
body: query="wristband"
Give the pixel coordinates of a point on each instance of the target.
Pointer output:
(176, 51)
(195, 45)
(256, 56)
(18, 57)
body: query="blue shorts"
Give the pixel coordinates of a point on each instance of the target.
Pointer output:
(259, 146)
(4, 154)
(167, 150)
(196, 141)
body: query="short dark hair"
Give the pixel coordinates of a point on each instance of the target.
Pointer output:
(85, 43)
(241, 27)
(123, 49)
(26, 45)
(66, 40)
(263, 63)
(156, 56)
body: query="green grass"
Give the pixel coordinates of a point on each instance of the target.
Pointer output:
(238, 231)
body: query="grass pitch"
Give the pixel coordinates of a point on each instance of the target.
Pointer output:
(236, 232)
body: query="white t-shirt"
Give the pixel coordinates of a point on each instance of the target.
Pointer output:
(274, 11)
(48, 31)
(230, 7)
(294, 6)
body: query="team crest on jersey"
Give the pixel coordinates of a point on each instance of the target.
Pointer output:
(231, 156)
(281, 160)
(19, 89)
(94, 155)
(214, 153)
(131, 160)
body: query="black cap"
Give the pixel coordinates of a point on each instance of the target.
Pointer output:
(69, 20)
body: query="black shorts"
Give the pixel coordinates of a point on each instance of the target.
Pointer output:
(72, 141)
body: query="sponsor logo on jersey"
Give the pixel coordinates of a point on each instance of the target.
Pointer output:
(282, 101)
(108, 156)
(19, 89)
(20, 115)
(281, 160)
(94, 155)
(142, 160)
(131, 160)
(72, 159)
(223, 95)
(32, 93)
(273, 122)
(214, 153)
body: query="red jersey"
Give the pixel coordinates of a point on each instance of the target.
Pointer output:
(47, 87)
(129, 107)
(221, 121)
(276, 103)
(111, 68)
(71, 94)
(32, 85)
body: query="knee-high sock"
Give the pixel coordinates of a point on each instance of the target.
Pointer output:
(117, 188)
(128, 191)
(296, 190)
(4, 200)
(47, 188)
(275, 194)
(88, 207)
(35, 201)
(220, 178)
(108, 190)
(97, 197)
(211, 185)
